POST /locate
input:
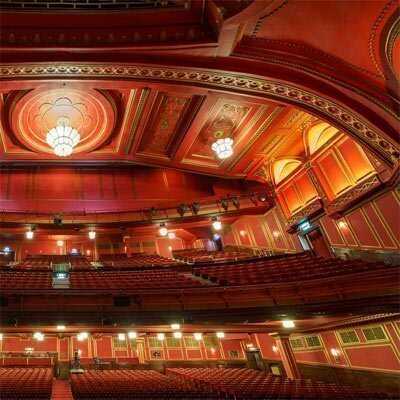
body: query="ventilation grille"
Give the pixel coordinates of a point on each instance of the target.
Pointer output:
(93, 5)
(374, 333)
(348, 337)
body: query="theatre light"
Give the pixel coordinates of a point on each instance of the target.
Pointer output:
(220, 335)
(38, 336)
(163, 231)
(63, 138)
(60, 243)
(61, 327)
(1, 336)
(121, 337)
(29, 234)
(177, 335)
(288, 323)
(92, 234)
(132, 335)
(198, 335)
(223, 148)
(161, 336)
(175, 326)
(216, 224)
(82, 336)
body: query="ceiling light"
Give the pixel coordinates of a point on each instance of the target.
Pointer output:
(121, 337)
(223, 148)
(60, 243)
(342, 225)
(92, 235)
(175, 326)
(7, 249)
(160, 336)
(216, 224)
(29, 234)
(132, 335)
(288, 323)
(163, 231)
(171, 235)
(63, 139)
(220, 335)
(198, 335)
(38, 336)
(177, 335)
(61, 327)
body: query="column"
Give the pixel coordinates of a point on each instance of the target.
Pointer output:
(287, 355)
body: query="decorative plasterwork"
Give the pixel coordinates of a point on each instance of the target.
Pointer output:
(34, 114)
(347, 119)
(305, 212)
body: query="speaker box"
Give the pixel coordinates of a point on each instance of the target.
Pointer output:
(122, 301)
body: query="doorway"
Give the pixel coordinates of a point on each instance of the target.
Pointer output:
(317, 242)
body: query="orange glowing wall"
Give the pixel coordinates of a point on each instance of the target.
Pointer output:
(267, 231)
(373, 226)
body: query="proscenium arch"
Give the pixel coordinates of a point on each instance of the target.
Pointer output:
(333, 111)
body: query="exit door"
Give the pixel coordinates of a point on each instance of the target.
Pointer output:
(318, 243)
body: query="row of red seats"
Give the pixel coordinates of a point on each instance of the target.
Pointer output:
(25, 362)
(26, 383)
(146, 279)
(245, 384)
(296, 267)
(199, 256)
(136, 260)
(138, 384)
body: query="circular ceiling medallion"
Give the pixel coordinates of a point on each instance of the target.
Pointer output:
(90, 112)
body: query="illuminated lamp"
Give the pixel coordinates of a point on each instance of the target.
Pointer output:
(29, 234)
(223, 148)
(275, 349)
(1, 336)
(61, 327)
(276, 234)
(177, 335)
(163, 231)
(171, 235)
(216, 236)
(7, 249)
(335, 352)
(287, 323)
(220, 335)
(121, 337)
(216, 224)
(242, 233)
(38, 336)
(160, 336)
(175, 326)
(342, 225)
(262, 197)
(169, 248)
(198, 335)
(60, 243)
(92, 235)
(82, 336)
(63, 138)
(132, 335)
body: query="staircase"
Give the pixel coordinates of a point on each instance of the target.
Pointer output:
(61, 390)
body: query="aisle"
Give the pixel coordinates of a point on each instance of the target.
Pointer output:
(61, 390)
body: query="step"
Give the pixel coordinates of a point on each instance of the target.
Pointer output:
(61, 390)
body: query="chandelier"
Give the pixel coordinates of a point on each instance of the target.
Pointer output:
(63, 138)
(223, 147)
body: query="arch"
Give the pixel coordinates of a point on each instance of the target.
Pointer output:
(318, 135)
(283, 168)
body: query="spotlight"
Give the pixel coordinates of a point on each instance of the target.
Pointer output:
(121, 337)
(287, 323)
(177, 335)
(171, 235)
(182, 208)
(60, 243)
(195, 208)
(132, 335)
(216, 224)
(92, 234)
(236, 203)
(198, 335)
(224, 204)
(220, 335)
(160, 336)
(175, 326)
(163, 231)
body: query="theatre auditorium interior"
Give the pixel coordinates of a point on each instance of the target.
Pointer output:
(199, 199)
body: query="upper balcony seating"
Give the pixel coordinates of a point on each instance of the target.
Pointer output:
(25, 383)
(135, 261)
(44, 262)
(282, 269)
(199, 256)
(139, 384)
(245, 384)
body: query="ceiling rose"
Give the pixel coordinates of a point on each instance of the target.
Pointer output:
(63, 120)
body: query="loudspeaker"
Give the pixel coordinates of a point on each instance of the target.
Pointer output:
(122, 301)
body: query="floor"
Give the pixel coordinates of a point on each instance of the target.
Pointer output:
(61, 390)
